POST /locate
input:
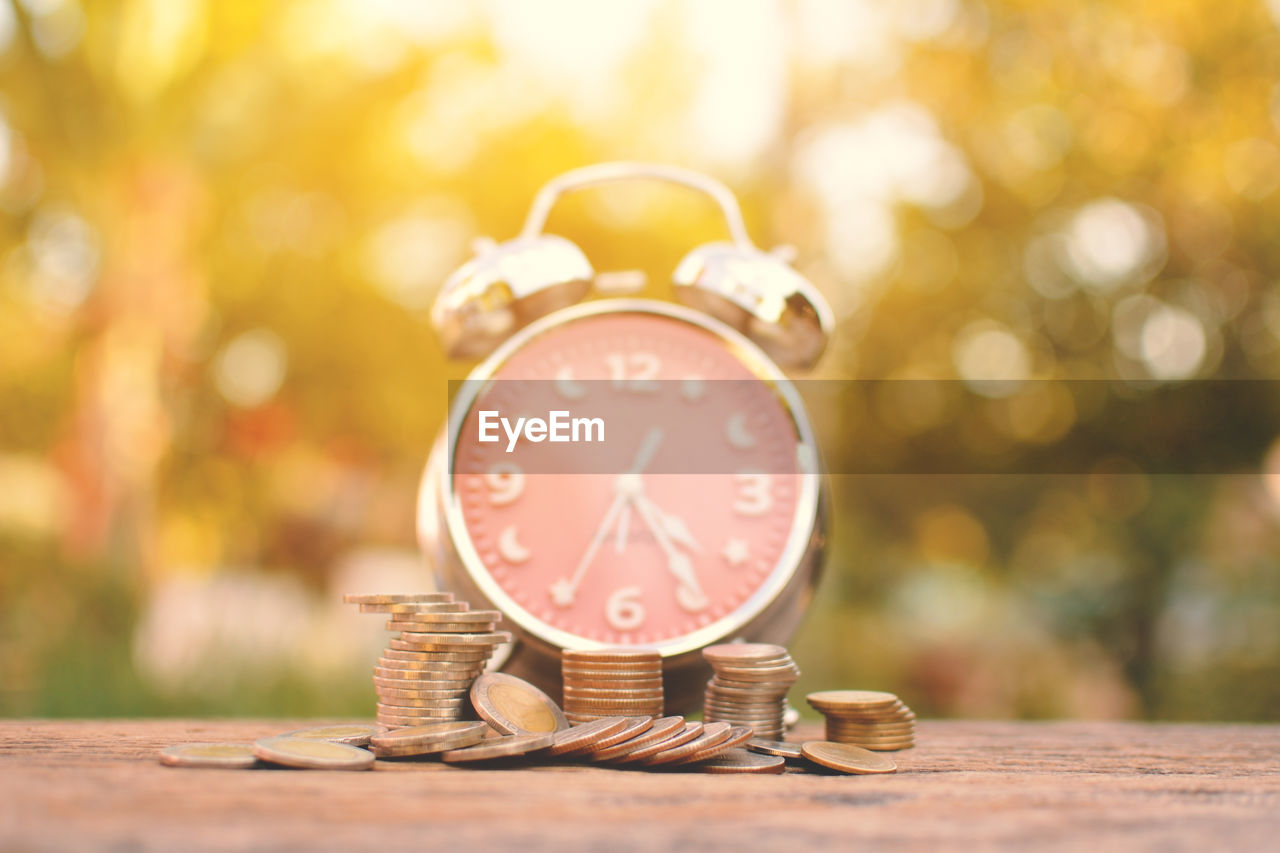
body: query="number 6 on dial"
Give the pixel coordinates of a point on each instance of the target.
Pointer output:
(624, 610)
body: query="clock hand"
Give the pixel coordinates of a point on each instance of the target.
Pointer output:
(624, 523)
(676, 529)
(647, 448)
(564, 590)
(688, 592)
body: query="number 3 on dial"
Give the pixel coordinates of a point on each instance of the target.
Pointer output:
(754, 494)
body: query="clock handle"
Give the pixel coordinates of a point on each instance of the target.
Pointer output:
(607, 173)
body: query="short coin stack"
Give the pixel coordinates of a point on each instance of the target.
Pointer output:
(750, 686)
(866, 718)
(425, 674)
(611, 683)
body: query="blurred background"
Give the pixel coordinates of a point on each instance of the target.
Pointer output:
(222, 224)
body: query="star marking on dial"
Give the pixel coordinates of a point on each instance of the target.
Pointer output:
(736, 551)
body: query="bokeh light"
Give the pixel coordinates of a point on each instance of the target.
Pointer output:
(222, 225)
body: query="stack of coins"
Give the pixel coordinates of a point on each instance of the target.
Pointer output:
(866, 718)
(611, 683)
(750, 686)
(425, 674)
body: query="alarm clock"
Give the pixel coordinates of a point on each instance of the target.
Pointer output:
(705, 522)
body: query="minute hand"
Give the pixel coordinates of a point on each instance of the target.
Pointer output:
(688, 591)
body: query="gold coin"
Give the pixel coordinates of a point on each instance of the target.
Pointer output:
(431, 666)
(613, 684)
(738, 736)
(846, 758)
(468, 616)
(851, 699)
(743, 652)
(436, 680)
(712, 734)
(580, 704)
(782, 675)
(892, 715)
(397, 597)
(428, 738)
(578, 739)
(398, 721)
(742, 761)
(872, 731)
(774, 747)
(613, 692)
(404, 704)
(390, 694)
(423, 607)
(228, 755)
(441, 627)
(507, 746)
(357, 734)
(762, 690)
(514, 706)
(634, 738)
(610, 655)
(677, 737)
(445, 710)
(462, 658)
(432, 639)
(308, 754)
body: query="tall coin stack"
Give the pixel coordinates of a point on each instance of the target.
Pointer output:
(866, 718)
(424, 675)
(611, 683)
(750, 686)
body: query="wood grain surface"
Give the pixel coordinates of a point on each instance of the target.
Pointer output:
(87, 785)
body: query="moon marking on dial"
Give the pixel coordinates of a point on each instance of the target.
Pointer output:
(510, 548)
(566, 386)
(738, 434)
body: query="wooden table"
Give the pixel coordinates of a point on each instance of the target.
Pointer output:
(94, 785)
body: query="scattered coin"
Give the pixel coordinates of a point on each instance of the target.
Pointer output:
(690, 732)
(507, 746)
(307, 754)
(712, 734)
(229, 755)
(352, 735)
(780, 748)
(847, 758)
(514, 706)
(426, 739)
(742, 761)
(632, 739)
(579, 739)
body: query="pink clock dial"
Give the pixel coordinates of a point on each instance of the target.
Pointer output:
(693, 524)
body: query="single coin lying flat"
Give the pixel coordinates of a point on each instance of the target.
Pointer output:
(507, 746)
(306, 754)
(847, 758)
(228, 755)
(356, 734)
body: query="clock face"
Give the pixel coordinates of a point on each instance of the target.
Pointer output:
(693, 523)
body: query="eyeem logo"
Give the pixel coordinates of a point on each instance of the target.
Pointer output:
(558, 427)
